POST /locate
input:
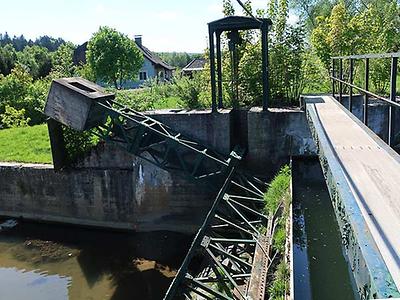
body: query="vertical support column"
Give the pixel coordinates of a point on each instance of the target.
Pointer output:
(212, 70)
(351, 82)
(58, 151)
(219, 69)
(265, 67)
(392, 108)
(333, 78)
(366, 87)
(341, 78)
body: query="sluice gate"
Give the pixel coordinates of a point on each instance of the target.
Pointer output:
(229, 256)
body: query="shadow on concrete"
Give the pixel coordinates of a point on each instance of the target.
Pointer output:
(314, 100)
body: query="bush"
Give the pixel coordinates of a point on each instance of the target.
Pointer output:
(13, 118)
(189, 90)
(19, 91)
(78, 143)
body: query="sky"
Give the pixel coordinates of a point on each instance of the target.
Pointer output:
(166, 26)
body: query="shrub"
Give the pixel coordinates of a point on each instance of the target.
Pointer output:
(77, 143)
(13, 117)
(19, 91)
(191, 91)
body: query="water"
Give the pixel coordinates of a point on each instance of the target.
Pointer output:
(52, 262)
(320, 268)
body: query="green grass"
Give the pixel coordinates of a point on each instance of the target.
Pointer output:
(25, 144)
(170, 102)
(277, 194)
(277, 190)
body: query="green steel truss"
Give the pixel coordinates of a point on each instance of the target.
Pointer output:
(155, 142)
(222, 263)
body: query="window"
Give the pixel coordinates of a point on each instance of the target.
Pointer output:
(142, 75)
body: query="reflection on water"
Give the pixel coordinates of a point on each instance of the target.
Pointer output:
(40, 262)
(320, 269)
(21, 285)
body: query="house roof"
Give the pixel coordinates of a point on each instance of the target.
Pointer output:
(195, 65)
(154, 58)
(80, 56)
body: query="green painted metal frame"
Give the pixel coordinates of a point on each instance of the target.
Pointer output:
(155, 142)
(221, 261)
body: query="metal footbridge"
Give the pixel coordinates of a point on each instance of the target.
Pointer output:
(230, 254)
(363, 176)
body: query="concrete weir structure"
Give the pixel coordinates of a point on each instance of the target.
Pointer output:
(114, 189)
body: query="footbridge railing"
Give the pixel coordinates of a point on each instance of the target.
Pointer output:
(342, 79)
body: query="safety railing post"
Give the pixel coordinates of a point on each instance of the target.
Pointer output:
(341, 78)
(366, 86)
(392, 109)
(333, 76)
(351, 82)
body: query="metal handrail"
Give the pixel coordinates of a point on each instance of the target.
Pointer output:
(372, 55)
(391, 101)
(367, 92)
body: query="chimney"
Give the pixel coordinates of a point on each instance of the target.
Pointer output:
(138, 40)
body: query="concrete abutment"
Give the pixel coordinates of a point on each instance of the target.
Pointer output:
(111, 188)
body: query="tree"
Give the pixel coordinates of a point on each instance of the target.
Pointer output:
(52, 44)
(374, 29)
(113, 57)
(19, 91)
(62, 60)
(8, 59)
(37, 60)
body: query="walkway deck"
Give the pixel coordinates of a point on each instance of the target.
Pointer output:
(371, 170)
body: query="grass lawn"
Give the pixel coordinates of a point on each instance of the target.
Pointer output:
(170, 102)
(25, 144)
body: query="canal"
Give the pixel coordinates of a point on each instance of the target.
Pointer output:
(320, 268)
(47, 262)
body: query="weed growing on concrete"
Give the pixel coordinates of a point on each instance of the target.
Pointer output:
(277, 206)
(277, 192)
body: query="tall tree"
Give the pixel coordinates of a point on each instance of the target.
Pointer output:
(113, 57)
(8, 59)
(62, 60)
(37, 60)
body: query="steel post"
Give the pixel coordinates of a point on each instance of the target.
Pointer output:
(351, 71)
(392, 109)
(366, 86)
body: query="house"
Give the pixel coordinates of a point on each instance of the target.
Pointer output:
(153, 66)
(195, 65)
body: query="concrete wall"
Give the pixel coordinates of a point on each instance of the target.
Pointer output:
(112, 188)
(274, 136)
(378, 115)
(143, 198)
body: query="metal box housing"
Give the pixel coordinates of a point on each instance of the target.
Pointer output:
(72, 102)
